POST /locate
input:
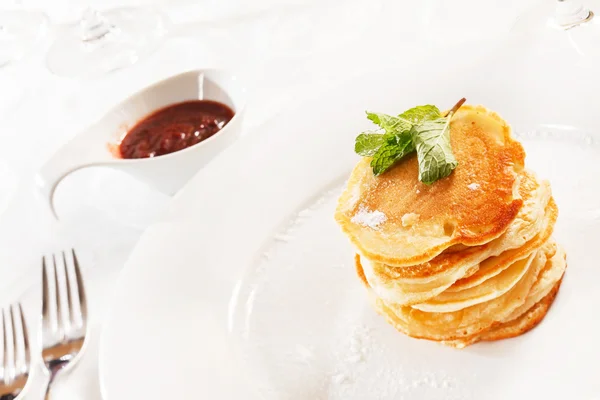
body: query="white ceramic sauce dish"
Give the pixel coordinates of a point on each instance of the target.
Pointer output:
(167, 173)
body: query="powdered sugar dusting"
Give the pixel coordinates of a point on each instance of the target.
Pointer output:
(339, 378)
(283, 237)
(353, 353)
(304, 354)
(434, 381)
(368, 368)
(372, 219)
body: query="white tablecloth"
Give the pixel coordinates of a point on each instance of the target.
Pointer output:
(292, 49)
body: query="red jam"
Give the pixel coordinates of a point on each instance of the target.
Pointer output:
(175, 128)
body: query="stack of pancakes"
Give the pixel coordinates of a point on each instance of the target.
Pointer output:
(467, 258)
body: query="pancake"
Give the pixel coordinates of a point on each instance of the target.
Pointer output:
(493, 287)
(488, 290)
(527, 321)
(516, 327)
(539, 300)
(535, 195)
(528, 223)
(460, 324)
(386, 284)
(552, 273)
(396, 220)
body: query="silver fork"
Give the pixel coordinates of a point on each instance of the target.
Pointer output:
(64, 329)
(15, 360)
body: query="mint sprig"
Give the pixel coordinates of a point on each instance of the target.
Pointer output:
(367, 144)
(390, 123)
(420, 114)
(421, 128)
(393, 150)
(434, 152)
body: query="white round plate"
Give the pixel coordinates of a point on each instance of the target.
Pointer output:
(247, 287)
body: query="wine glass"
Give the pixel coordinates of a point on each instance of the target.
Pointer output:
(564, 25)
(550, 15)
(102, 42)
(20, 30)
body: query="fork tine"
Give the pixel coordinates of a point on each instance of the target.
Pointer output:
(9, 353)
(45, 296)
(14, 340)
(59, 315)
(70, 306)
(4, 376)
(80, 289)
(25, 339)
(14, 363)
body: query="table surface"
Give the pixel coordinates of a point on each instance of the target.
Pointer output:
(293, 49)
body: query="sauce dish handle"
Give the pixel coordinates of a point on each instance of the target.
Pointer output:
(81, 152)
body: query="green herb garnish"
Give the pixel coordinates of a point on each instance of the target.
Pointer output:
(421, 128)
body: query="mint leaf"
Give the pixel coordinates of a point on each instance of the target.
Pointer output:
(421, 128)
(398, 141)
(406, 120)
(393, 150)
(434, 152)
(389, 123)
(420, 114)
(367, 144)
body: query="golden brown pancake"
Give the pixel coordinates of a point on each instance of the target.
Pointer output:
(529, 222)
(459, 324)
(416, 222)
(552, 272)
(523, 324)
(516, 327)
(533, 306)
(486, 291)
(386, 283)
(527, 321)
(491, 288)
